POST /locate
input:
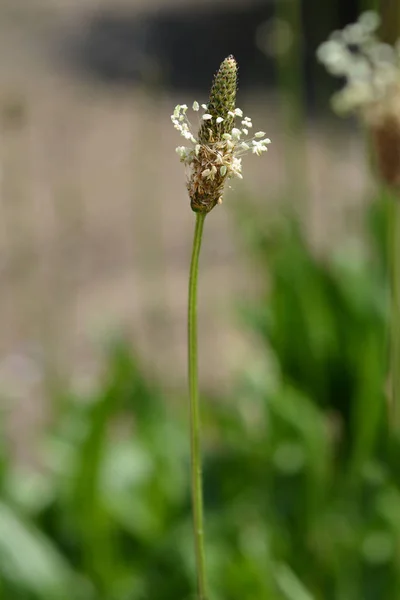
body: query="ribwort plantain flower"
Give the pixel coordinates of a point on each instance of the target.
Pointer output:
(215, 154)
(372, 91)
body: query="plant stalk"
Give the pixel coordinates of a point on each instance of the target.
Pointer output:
(394, 241)
(291, 88)
(195, 426)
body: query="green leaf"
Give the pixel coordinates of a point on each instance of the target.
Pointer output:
(29, 563)
(290, 585)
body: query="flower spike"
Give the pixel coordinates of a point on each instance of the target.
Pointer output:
(216, 153)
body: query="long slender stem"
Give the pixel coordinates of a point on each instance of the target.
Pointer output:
(395, 313)
(196, 466)
(291, 88)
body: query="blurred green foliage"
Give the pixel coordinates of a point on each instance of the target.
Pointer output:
(302, 478)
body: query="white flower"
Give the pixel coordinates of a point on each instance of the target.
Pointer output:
(209, 164)
(354, 34)
(188, 136)
(371, 68)
(209, 173)
(370, 21)
(237, 167)
(335, 56)
(213, 172)
(258, 147)
(181, 150)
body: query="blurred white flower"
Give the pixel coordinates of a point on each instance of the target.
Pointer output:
(372, 88)
(371, 68)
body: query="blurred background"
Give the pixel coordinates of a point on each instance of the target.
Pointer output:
(301, 496)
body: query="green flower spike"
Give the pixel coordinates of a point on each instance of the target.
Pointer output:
(216, 153)
(222, 102)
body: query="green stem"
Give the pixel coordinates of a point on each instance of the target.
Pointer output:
(394, 323)
(291, 88)
(196, 469)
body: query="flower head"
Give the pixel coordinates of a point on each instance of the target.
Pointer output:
(372, 90)
(371, 68)
(215, 154)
